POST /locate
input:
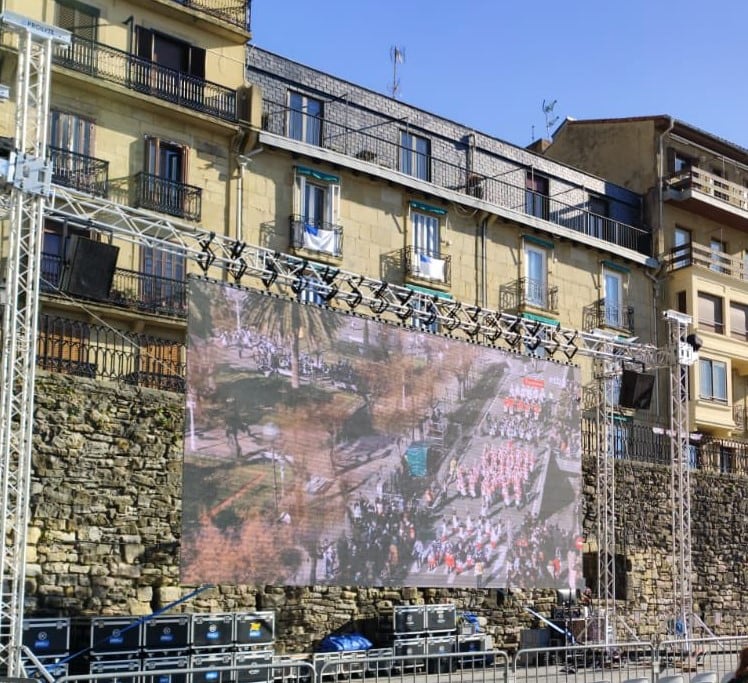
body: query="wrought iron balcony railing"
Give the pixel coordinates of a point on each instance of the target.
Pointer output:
(79, 348)
(79, 171)
(363, 144)
(319, 236)
(130, 289)
(167, 196)
(419, 263)
(603, 314)
(235, 12)
(116, 66)
(526, 292)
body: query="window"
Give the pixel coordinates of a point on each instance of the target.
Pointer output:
(613, 314)
(621, 437)
(719, 260)
(739, 321)
(83, 22)
(427, 262)
(711, 315)
(712, 380)
(536, 195)
(305, 118)
(315, 225)
(429, 322)
(163, 286)
(415, 155)
(163, 187)
(177, 58)
(71, 153)
(71, 133)
(80, 19)
(597, 218)
(681, 163)
(681, 301)
(536, 275)
(681, 248)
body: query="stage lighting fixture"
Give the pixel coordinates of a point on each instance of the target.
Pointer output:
(380, 305)
(270, 275)
(355, 291)
(238, 268)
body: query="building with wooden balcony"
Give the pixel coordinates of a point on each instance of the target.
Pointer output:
(696, 185)
(378, 187)
(148, 110)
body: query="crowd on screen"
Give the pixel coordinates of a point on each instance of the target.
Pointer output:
(393, 533)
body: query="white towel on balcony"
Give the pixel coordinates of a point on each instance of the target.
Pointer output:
(431, 267)
(319, 239)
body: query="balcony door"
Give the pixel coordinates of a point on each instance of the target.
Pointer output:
(171, 68)
(613, 297)
(536, 195)
(163, 281)
(166, 169)
(83, 22)
(536, 276)
(71, 142)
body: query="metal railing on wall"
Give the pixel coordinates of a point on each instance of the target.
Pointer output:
(83, 349)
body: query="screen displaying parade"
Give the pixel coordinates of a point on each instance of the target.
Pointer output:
(324, 448)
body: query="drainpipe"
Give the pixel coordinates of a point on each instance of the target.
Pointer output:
(482, 265)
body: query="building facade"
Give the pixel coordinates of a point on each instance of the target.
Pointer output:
(696, 202)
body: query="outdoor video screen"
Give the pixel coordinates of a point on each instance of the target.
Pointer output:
(327, 448)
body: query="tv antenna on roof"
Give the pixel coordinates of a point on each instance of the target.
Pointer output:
(549, 119)
(397, 56)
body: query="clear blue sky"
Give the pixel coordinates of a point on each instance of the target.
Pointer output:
(491, 64)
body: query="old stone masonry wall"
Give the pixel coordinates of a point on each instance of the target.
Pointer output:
(106, 504)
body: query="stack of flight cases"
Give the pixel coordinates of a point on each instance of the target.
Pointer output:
(48, 639)
(232, 647)
(420, 633)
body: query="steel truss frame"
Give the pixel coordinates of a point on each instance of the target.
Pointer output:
(33, 202)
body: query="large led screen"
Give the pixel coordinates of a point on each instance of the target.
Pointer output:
(326, 448)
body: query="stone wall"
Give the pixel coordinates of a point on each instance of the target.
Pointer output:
(105, 530)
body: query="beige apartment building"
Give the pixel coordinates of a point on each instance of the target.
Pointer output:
(147, 116)
(696, 190)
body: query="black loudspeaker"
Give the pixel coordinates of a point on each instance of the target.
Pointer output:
(89, 268)
(636, 390)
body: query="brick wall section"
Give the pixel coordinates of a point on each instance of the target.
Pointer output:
(105, 530)
(359, 108)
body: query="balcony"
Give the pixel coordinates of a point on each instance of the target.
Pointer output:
(703, 256)
(130, 289)
(317, 236)
(142, 75)
(421, 265)
(526, 293)
(79, 348)
(79, 171)
(611, 315)
(708, 195)
(235, 12)
(167, 196)
(364, 145)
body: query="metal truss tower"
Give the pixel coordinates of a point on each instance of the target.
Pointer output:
(29, 179)
(682, 348)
